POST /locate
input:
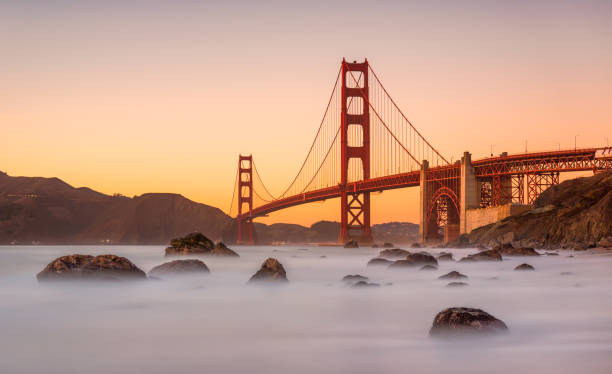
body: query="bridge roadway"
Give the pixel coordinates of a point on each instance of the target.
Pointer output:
(588, 159)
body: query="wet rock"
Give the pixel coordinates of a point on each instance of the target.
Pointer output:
(387, 245)
(465, 321)
(523, 267)
(490, 255)
(509, 250)
(453, 275)
(222, 250)
(456, 284)
(393, 253)
(354, 278)
(429, 267)
(85, 267)
(271, 271)
(415, 245)
(364, 284)
(374, 245)
(415, 259)
(178, 267)
(552, 254)
(580, 246)
(379, 261)
(445, 257)
(192, 244)
(605, 242)
(351, 244)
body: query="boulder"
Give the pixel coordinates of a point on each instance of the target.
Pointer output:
(552, 254)
(415, 259)
(379, 261)
(509, 250)
(465, 321)
(374, 245)
(524, 267)
(445, 257)
(271, 271)
(178, 267)
(351, 244)
(222, 250)
(415, 245)
(354, 278)
(393, 253)
(429, 267)
(387, 245)
(192, 244)
(456, 284)
(364, 284)
(453, 275)
(490, 255)
(86, 267)
(605, 242)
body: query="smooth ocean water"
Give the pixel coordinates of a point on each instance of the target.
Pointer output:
(217, 324)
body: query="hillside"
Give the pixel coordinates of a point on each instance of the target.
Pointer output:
(576, 213)
(50, 211)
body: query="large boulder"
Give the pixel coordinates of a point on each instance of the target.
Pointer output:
(415, 259)
(192, 244)
(222, 250)
(393, 253)
(271, 271)
(509, 250)
(86, 267)
(465, 321)
(178, 267)
(490, 255)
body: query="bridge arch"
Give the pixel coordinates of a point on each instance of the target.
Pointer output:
(443, 215)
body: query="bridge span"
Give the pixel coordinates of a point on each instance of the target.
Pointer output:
(365, 144)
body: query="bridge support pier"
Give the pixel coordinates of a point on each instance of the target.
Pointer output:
(423, 200)
(246, 234)
(469, 191)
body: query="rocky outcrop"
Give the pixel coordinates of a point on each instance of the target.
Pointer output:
(222, 250)
(393, 253)
(489, 255)
(351, 244)
(465, 321)
(415, 259)
(509, 250)
(271, 271)
(178, 267)
(523, 267)
(86, 267)
(575, 213)
(379, 261)
(453, 275)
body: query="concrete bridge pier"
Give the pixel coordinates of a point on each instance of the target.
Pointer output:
(423, 198)
(469, 191)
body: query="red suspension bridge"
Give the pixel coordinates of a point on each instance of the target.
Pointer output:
(365, 144)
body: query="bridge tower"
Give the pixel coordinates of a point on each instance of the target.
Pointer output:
(246, 234)
(355, 112)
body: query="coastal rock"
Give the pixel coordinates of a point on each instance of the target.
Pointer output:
(393, 253)
(379, 261)
(354, 278)
(178, 267)
(86, 267)
(444, 256)
(271, 271)
(415, 259)
(222, 250)
(489, 255)
(415, 245)
(192, 244)
(605, 242)
(429, 267)
(453, 275)
(524, 267)
(351, 244)
(456, 284)
(465, 321)
(509, 250)
(387, 245)
(364, 284)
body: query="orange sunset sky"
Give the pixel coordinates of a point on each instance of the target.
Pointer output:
(161, 96)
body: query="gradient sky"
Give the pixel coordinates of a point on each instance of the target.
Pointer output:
(162, 96)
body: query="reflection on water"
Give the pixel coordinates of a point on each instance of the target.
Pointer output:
(215, 323)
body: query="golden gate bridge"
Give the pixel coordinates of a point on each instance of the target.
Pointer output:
(366, 144)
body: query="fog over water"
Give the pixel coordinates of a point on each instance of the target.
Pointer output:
(215, 323)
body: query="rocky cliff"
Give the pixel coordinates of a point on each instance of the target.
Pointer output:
(576, 213)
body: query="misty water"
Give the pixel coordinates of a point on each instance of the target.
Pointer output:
(215, 323)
